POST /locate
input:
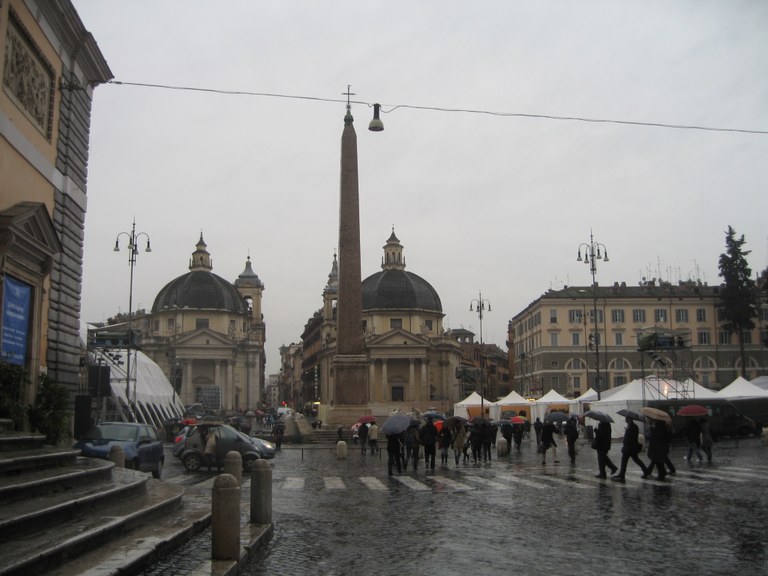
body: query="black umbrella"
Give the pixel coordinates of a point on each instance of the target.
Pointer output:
(395, 424)
(599, 416)
(454, 422)
(555, 417)
(630, 414)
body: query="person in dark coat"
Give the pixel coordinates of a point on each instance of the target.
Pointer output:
(706, 439)
(571, 431)
(395, 452)
(476, 442)
(517, 434)
(444, 442)
(602, 444)
(488, 434)
(506, 433)
(630, 449)
(693, 434)
(429, 441)
(548, 441)
(412, 444)
(362, 433)
(658, 449)
(538, 427)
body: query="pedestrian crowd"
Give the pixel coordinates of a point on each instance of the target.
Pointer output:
(473, 440)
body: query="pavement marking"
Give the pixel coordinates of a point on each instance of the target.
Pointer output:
(525, 482)
(293, 483)
(452, 484)
(334, 483)
(563, 482)
(411, 483)
(489, 483)
(372, 483)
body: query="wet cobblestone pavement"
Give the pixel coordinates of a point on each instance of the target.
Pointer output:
(345, 517)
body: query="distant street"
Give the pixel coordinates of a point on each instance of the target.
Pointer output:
(515, 515)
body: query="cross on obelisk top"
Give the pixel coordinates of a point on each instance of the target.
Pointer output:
(348, 94)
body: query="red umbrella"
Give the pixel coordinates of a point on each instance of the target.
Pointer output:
(518, 420)
(367, 418)
(693, 410)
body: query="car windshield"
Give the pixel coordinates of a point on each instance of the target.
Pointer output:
(120, 432)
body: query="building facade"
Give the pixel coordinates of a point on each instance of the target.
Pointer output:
(411, 362)
(566, 338)
(208, 335)
(51, 65)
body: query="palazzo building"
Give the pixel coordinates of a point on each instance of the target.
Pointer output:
(50, 68)
(673, 331)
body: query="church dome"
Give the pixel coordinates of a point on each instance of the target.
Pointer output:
(200, 288)
(394, 288)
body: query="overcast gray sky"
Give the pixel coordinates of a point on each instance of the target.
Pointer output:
(480, 202)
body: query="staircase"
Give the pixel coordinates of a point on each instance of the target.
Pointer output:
(62, 514)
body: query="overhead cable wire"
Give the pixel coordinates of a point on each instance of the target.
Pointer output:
(393, 107)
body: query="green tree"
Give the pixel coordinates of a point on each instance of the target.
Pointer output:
(738, 300)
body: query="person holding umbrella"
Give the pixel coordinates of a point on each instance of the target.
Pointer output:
(458, 442)
(693, 434)
(571, 431)
(362, 433)
(394, 452)
(602, 444)
(429, 440)
(630, 449)
(548, 441)
(412, 443)
(658, 449)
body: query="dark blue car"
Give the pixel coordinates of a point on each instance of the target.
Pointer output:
(141, 444)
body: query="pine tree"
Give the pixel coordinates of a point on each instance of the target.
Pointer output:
(737, 294)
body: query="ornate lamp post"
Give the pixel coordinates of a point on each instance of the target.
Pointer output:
(133, 251)
(593, 252)
(479, 304)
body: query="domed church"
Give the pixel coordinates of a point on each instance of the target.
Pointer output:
(209, 335)
(411, 362)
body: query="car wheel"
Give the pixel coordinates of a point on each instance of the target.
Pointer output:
(192, 462)
(158, 471)
(248, 461)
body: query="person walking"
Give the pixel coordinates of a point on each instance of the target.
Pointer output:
(458, 442)
(602, 444)
(429, 441)
(444, 442)
(394, 453)
(548, 441)
(693, 434)
(362, 433)
(706, 439)
(373, 437)
(658, 450)
(517, 434)
(630, 448)
(476, 442)
(538, 427)
(412, 444)
(488, 435)
(571, 431)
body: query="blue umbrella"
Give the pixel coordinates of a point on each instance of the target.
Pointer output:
(396, 424)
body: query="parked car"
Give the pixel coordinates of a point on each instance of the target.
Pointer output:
(190, 449)
(141, 444)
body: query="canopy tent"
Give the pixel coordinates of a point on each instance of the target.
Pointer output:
(742, 388)
(588, 396)
(634, 394)
(512, 402)
(761, 382)
(552, 401)
(472, 405)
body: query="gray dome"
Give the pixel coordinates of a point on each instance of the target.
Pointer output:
(398, 289)
(202, 290)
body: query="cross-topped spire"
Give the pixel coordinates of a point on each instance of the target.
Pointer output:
(348, 94)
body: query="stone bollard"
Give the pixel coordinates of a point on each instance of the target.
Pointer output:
(225, 518)
(261, 493)
(502, 447)
(233, 464)
(117, 455)
(341, 450)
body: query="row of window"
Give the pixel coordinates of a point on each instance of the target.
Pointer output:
(639, 315)
(703, 338)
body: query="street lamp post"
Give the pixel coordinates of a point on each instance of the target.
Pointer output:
(593, 252)
(479, 305)
(133, 251)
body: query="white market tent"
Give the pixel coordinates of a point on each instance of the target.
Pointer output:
(552, 401)
(512, 402)
(761, 382)
(634, 394)
(742, 388)
(471, 406)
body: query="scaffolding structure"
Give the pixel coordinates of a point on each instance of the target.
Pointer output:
(671, 359)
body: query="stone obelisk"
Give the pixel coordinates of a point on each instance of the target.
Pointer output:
(350, 365)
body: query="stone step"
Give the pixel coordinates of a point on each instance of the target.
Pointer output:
(25, 460)
(87, 528)
(39, 482)
(13, 441)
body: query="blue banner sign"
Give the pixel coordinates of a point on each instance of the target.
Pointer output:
(16, 301)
